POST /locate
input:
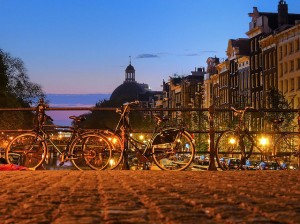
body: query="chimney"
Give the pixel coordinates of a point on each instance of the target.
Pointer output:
(282, 13)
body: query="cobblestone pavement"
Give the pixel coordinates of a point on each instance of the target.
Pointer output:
(68, 196)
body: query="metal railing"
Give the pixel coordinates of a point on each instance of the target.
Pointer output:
(209, 129)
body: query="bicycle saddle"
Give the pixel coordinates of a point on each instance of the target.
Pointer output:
(77, 119)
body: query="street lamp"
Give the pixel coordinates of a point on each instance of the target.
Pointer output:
(264, 141)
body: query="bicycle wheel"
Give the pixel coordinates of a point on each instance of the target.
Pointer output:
(287, 149)
(91, 150)
(116, 160)
(173, 150)
(27, 150)
(233, 150)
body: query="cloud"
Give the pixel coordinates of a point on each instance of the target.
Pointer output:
(191, 54)
(142, 56)
(198, 54)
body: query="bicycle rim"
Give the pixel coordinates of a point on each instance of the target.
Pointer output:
(231, 150)
(91, 150)
(176, 155)
(28, 150)
(116, 160)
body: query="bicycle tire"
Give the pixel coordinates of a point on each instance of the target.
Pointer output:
(28, 150)
(116, 161)
(231, 151)
(176, 155)
(287, 148)
(90, 151)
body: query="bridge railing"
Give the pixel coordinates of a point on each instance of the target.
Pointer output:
(205, 124)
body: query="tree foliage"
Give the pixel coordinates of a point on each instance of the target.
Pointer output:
(16, 90)
(108, 118)
(278, 101)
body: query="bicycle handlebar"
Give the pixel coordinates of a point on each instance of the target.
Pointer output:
(131, 103)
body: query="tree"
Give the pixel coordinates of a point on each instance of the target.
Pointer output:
(16, 90)
(278, 101)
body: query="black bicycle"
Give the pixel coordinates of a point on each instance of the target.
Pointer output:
(84, 148)
(236, 146)
(169, 148)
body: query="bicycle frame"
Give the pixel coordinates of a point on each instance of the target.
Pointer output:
(169, 148)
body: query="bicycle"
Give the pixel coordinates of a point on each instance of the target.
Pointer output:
(85, 149)
(169, 148)
(239, 144)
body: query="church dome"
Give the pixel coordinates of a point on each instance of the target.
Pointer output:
(126, 92)
(130, 68)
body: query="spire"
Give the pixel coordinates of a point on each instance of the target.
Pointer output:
(130, 72)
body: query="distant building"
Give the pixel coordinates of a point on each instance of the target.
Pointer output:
(131, 90)
(262, 25)
(184, 92)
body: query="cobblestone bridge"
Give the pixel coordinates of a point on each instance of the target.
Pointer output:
(68, 196)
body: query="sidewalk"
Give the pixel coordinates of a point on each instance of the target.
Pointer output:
(66, 196)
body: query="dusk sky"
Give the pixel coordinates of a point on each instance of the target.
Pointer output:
(83, 46)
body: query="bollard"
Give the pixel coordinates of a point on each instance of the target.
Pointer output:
(212, 152)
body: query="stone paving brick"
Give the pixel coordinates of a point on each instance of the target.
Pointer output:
(119, 196)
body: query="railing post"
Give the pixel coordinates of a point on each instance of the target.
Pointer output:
(298, 153)
(212, 152)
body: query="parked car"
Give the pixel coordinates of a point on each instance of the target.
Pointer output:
(251, 165)
(269, 165)
(230, 163)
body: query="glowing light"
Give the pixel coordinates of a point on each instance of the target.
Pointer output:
(112, 162)
(263, 141)
(141, 137)
(232, 141)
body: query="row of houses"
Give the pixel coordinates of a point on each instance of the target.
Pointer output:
(268, 59)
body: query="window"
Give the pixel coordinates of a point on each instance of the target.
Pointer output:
(280, 70)
(256, 62)
(298, 63)
(285, 87)
(284, 50)
(291, 48)
(261, 79)
(280, 52)
(280, 87)
(260, 60)
(291, 66)
(292, 84)
(297, 44)
(285, 67)
(266, 62)
(272, 81)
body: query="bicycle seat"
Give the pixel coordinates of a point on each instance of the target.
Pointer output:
(160, 119)
(77, 119)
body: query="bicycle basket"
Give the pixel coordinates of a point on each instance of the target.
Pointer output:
(166, 136)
